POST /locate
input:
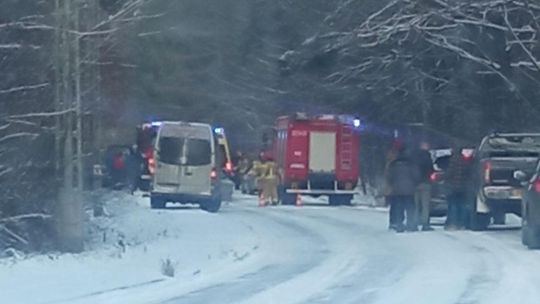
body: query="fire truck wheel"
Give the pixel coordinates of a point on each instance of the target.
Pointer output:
(337, 200)
(157, 203)
(288, 199)
(347, 200)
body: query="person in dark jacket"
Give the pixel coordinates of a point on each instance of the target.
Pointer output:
(118, 170)
(402, 179)
(424, 163)
(458, 178)
(134, 163)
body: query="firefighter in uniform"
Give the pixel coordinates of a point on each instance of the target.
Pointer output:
(257, 172)
(270, 180)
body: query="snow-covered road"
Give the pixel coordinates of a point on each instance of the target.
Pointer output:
(246, 254)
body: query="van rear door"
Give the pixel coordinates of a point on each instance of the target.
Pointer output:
(195, 176)
(170, 151)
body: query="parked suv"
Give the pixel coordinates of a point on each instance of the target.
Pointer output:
(187, 166)
(530, 207)
(495, 190)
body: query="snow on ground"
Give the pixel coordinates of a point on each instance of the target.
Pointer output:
(127, 248)
(246, 254)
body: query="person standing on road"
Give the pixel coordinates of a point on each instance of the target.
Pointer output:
(134, 164)
(257, 170)
(270, 182)
(458, 177)
(118, 169)
(390, 157)
(424, 163)
(402, 178)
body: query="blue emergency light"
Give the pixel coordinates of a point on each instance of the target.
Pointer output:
(357, 123)
(156, 124)
(220, 131)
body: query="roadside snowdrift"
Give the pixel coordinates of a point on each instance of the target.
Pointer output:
(127, 249)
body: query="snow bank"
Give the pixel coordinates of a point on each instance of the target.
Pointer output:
(125, 250)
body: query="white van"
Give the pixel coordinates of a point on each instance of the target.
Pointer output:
(187, 166)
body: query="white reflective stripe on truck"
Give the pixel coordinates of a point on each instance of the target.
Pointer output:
(320, 192)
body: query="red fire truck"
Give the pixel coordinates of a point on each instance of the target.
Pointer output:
(317, 155)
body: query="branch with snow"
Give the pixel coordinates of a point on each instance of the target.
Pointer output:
(30, 216)
(24, 88)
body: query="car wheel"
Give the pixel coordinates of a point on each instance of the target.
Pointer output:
(286, 198)
(499, 218)
(212, 205)
(478, 221)
(144, 186)
(157, 203)
(525, 235)
(532, 237)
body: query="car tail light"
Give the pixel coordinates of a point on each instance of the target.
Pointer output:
(152, 166)
(467, 154)
(229, 167)
(435, 177)
(536, 186)
(213, 174)
(487, 172)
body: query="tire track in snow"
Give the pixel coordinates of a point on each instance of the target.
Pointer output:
(512, 277)
(485, 276)
(342, 261)
(283, 263)
(379, 272)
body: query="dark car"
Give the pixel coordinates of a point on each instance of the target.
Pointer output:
(439, 205)
(495, 190)
(530, 207)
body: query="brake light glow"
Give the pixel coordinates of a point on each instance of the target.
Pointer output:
(229, 167)
(213, 174)
(536, 186)
(152, 165)
(487, 172)
(467, 154)
(435, 177)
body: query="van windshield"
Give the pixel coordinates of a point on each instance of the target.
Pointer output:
(171, 150)
(199, 152)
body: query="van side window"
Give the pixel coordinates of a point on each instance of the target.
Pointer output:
(171, 150)
(199, 152)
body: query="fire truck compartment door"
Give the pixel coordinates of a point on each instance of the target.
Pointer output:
(322, 152)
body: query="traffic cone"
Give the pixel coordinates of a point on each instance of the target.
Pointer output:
(262, 203)
(299, 200)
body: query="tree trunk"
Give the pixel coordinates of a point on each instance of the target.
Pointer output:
(78, 101)
(57, 88)
(70, 211)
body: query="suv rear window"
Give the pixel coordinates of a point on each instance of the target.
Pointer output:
(171, 150)
(199, 152)
(512, 142)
